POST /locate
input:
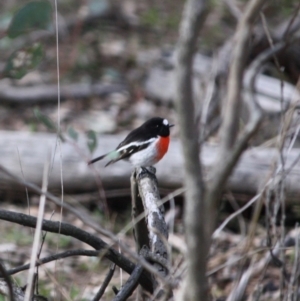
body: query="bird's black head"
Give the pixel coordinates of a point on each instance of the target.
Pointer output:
(158, 126)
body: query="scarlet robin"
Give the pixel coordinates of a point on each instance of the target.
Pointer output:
(144, 146)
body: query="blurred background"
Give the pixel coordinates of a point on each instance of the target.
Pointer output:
(116, 69)
(125, 49)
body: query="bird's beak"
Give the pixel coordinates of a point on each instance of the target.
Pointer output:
(170, 125)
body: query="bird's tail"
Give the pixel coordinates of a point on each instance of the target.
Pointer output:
(113, 156)
(97, 159)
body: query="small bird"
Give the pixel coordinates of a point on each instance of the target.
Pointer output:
(144, 146)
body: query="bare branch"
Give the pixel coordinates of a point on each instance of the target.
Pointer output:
(235, 79)
(230, 151)
(84, 217)
(69, 230)
(130, 285)
(233, 8)
(235, 214)
(254, 109)
(154, 215)
(69, 253)
(37, 234)
(105, 283)
(237, 294)
(195, 283)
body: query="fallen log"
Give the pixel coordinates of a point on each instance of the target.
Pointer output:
(44, 94)
(24, 155)
(269, 91)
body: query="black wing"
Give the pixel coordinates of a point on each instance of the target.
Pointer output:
(127, 152)
(138, 135)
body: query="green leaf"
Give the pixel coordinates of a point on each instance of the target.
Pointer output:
(23, 60)
(32, 16)
(44, 120)
(72, 133)
(92, 140)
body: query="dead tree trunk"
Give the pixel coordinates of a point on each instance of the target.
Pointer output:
(150, 228)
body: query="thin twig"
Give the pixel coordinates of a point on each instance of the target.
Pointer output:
(95, 242)
(39, 262)
(105, 283)
(235, 214)
(293, 18)
(295, 269)
(233, 8)
(238, 292)
(130, 284)
(37, 234)
(235, 206)
(22, 172)
(254, 269)
(230, 148)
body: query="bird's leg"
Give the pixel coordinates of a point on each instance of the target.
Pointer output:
(144, 169)
(152, 170)
(148, 171)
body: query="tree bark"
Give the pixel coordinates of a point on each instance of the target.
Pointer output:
(195, 283)
(154, 216)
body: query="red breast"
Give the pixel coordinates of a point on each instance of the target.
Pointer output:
(162, 146)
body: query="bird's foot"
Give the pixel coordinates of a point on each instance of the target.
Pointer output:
(144, 172)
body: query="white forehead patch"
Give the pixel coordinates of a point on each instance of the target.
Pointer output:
(165, 122)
